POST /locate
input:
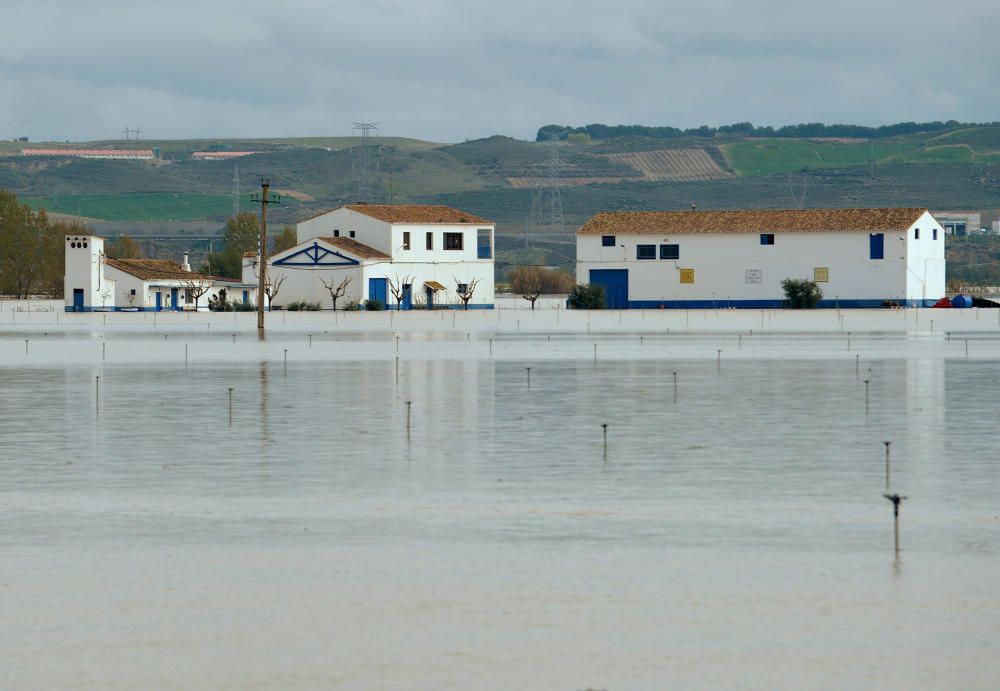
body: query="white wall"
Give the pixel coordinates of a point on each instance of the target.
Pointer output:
(925, 275)
(83, 269)
(367, 230)
(720, 262)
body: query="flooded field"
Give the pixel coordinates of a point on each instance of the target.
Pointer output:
(427, 500)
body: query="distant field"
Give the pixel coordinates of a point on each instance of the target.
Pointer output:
(152, 206)
(775, 156)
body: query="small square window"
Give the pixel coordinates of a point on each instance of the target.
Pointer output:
(607, 241)
(767, 238)
(132, 292)
(453, 241)
(336, 232)
(645, 251)
(352, 233)
(670, 251)
(462, 288)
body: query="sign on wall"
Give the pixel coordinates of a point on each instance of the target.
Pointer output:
(754, 275)
(687, 275)
(821, 274)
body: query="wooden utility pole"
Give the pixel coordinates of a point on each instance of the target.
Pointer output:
(263, 200)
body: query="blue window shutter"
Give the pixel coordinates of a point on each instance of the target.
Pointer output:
(876, 246)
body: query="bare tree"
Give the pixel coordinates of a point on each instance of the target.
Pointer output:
(105, 296)
(271, 285)
(528, 282)
(338, 291)
(465, 291)
(398, 289)
(196, 288)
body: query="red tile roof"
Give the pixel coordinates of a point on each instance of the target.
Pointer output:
(154, 269)
(750, 221)
(412, 213)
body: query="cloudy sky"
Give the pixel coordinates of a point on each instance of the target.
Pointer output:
(449, 70)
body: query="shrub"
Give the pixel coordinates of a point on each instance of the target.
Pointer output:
(303, 306)
(352, 306)
(801, 293)
(587, 297)
(374, 305)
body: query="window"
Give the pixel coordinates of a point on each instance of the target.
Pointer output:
(336, 232)
(934, 234)
(132, 292)
(876, 246)
(916, 233)
(767, 238)
(484, 246)
(463, 288)
(406, 239)
(670, 251)
(352, 233)
(430, 241)
(607, 241)
(645, 251)
(453, 241)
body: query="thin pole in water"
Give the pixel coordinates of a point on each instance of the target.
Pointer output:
(409, 404)
(26, 346)
(595, 355)
(234, 339)
(741, 342)
(397, 371)
(848, 341)
(397, 344)
(491, 347)
(230, 405)
(97, 395)
(887, 445)
(641, 340)
(857, 365)
(529, 376)
(718, 359)
(866, 396)
(675, 387)
(604, 428)
(104, 352)
(310, 340)
(896, 500)
(967, 347)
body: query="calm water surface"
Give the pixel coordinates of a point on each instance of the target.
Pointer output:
(439, 523)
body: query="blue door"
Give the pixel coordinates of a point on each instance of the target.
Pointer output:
(246, 297)
(615, 282)
(173, 299)
(159, 301)
(377, 290)
(430, 297)
(408, 296)
(78, 299)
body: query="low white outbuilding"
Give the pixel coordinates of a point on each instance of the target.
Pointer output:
(707, 259)
(405, 256)
(94, 281)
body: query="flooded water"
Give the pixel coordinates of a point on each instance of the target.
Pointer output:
(397, 501)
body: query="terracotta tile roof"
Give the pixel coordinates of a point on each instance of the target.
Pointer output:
(750, 221)
(154, 269)
(356, 248)
(416, 213)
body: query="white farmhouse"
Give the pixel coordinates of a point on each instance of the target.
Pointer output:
(707, 259)
(405, 256)
(96, 282)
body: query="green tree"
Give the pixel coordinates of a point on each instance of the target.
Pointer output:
(123, 248)
(228, 263)
(242, 233)
(801, 293)
(587, 297)
(284, 240)
(31, 249)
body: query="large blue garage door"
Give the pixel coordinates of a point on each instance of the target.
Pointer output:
(615, 282)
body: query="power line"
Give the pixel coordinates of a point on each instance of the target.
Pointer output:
(364, 185)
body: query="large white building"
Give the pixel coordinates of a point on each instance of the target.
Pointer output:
(707, 259)
(96, 282)
(429, 255)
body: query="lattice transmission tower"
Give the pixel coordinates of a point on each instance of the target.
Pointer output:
(364, 183)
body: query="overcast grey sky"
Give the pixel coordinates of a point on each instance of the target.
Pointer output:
(449, 70)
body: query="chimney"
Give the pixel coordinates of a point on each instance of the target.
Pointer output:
(694, 207)
(186, 265)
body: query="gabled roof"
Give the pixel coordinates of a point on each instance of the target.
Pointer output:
(154, 269)
(751, 221)
(356, 248)
(412, 213)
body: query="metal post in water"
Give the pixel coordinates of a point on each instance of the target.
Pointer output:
(310, 340)
(397, 344)
(185, 355)
(848, 341)
(866, 396)
(529, 376)
(491, 347)
(675, 387)
(97, 394)
(595, 355)
(741, 342)
(286, 361)
(104, 351)
(857, 364)
(234, 339)
(604, 428)
(896, 499)
(26, 346)
(718, 359)
(230, 405)
(967, 347)
(397, 371)
(409, 404)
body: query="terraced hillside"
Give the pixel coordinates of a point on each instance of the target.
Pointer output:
(674, 164)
